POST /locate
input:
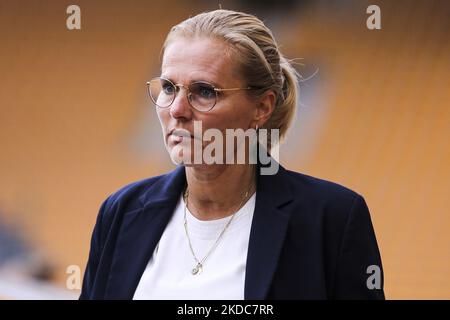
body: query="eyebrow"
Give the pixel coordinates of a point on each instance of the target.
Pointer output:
(215, 84)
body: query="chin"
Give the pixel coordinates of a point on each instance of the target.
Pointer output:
(180, 155)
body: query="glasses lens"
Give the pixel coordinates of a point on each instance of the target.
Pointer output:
(203, 96)
(162, 92)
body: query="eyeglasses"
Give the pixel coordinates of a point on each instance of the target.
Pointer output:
(202, 95)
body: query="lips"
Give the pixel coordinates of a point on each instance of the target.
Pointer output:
(177, 135)
(181, 133)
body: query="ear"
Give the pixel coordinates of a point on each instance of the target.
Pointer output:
(264, 108)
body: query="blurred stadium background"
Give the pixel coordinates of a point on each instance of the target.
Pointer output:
(76, 124)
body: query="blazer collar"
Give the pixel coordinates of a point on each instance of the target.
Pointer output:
(141, 230)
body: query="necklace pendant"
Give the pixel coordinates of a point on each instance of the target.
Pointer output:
(197, 269)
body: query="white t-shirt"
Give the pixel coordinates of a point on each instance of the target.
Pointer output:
(168, 273)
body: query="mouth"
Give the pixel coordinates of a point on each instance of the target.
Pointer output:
(178, 135)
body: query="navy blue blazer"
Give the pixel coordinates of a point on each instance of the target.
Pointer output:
(309, 239)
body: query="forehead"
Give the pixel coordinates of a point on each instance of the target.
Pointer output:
(187, 60)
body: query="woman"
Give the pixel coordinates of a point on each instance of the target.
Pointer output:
(219, 230)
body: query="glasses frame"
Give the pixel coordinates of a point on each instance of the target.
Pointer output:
(188, 92)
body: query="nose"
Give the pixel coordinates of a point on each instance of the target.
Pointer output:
(180, 107)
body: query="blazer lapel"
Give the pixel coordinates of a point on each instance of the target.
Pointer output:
(269, 226)
(140, 232)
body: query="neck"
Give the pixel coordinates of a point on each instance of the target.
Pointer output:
(216, 191)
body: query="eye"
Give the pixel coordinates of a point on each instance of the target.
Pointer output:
(167, 88)
(204, 90)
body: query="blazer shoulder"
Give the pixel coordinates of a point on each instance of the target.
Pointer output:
(324, 201)
(125, 199)
(131, 192)
(320, 189)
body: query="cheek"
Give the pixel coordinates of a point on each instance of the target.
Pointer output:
(239, 114)
(163, 116)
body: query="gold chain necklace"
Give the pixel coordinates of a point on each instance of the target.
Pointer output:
(199, 263)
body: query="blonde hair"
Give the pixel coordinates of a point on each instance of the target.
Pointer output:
(261, 63)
